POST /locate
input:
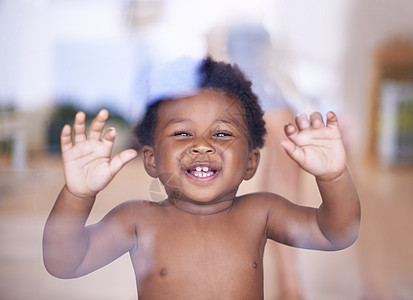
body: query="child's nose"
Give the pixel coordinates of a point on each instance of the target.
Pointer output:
(201, 146)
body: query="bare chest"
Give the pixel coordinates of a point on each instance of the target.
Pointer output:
(189, 257)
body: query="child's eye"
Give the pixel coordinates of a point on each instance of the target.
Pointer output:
(181, 133)
(222, 134)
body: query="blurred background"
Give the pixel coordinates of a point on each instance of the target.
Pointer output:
(353, 57)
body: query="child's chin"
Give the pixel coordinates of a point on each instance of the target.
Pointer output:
(199, 199)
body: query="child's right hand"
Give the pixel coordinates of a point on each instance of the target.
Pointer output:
(88, 166)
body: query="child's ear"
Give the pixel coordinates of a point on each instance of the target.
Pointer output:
(149, 161)
(253, 161)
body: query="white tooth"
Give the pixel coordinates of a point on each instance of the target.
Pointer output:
(199, 169)
(205, 169)
(196, 174)
(204, 175)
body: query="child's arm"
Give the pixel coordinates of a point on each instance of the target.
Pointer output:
(69, 248)
(319, 150)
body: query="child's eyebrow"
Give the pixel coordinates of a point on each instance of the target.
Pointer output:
(175, 121)
(188, 120)
(223, 121)
(230, 122)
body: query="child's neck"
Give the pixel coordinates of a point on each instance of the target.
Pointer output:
(201, 209)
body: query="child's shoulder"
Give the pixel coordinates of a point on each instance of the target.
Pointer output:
(136, 209)
(259, 200)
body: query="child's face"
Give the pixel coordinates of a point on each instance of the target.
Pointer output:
(201, 149)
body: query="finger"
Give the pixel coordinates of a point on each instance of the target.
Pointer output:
(316, 120)
(109, 137)
(290, 131)
(65, 138)
(293, 151)
(120, 160)
(332, 120)
(79, 127)
(98, 123)
(302, 121)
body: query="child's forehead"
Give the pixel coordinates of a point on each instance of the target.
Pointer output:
(206, 108)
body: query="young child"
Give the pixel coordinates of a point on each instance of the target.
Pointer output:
(203, 241)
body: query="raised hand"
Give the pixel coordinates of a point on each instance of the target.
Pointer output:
(315, 146)
(88, 167)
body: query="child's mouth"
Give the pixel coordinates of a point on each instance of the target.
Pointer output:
(201, 172)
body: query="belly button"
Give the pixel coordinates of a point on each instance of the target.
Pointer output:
(163, 272)
(254, 265)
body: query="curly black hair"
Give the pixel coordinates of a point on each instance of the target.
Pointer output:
(219, 76)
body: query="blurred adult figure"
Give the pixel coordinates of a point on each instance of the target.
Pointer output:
(250, 47)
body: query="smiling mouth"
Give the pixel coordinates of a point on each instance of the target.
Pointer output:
(202, 172)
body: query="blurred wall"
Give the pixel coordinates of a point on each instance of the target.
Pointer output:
(370, 24)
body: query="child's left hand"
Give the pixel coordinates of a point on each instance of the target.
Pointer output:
(316, 147)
